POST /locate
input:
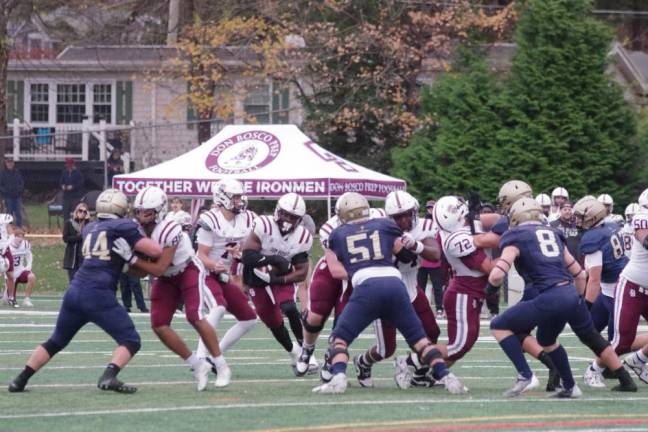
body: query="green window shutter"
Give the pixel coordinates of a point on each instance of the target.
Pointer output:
(124, 102)
(15, 100)
(280, 104)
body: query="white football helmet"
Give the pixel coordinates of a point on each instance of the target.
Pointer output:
(111, 204)
(607, 201)
(543, 200)
(377, 213)
(643, 199)
(559, 192)
(450, 213)
(152, 198)
(630, 211)
(225, 191)
(289, 211)
(401, 202)
(182, 218)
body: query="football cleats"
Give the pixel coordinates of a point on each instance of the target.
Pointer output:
(289, 211)
(630, 211)
(510, 192)
(559, 192)
(607, 201)
(111, 204)
(225, 193)
(589, 213)
(152, 198)
(450, 213)
(401, 203)
(643, 199)
(525, 209)
(352, 207)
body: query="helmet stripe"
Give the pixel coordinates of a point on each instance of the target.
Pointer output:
(296, 202)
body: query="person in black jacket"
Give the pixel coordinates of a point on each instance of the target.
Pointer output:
(12, 187)
(72, 185)
(72, 238)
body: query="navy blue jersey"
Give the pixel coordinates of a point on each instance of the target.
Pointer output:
(366, 244)
(501, 226)
(541, 259)
(607, 239)
(101, 266)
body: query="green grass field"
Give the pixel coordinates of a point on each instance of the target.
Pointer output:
(264, 395)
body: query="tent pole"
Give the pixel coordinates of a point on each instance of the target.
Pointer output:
(328, 201)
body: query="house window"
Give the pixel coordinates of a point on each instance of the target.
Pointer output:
(40, 103)
(257, 103)
(70, 103)
(102, 102)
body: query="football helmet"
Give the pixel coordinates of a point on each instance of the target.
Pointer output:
(111, 204)
(643, 199)
(339, 201)
(352, 207)
(152, 198)
(182, 218)
(630, 211)
(607, 201)
(510, 192)
(450, 213)
(544, 201)
(225, 192)
(402, 203)
(525, 209)
(559, 192)
(589, 213)
(289, 212)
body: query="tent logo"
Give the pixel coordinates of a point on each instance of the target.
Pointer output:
(244, 152)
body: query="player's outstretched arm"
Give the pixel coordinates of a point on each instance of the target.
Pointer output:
(580, 276)
(594, 266)
(158, 267)
(502, 265)
(487, 240)
(148, 247)
(335, 267)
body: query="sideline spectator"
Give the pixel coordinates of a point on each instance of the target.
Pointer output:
(22, 260)
(72, 185)
(115, 164)
(175, 207)
(12, 187)
(567, 225)
(432, 270)
(72, 238)
(131, 284)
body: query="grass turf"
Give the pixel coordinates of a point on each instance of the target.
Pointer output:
(265, 395)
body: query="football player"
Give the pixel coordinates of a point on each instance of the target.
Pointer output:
(420, 237)
(9, 294)
(558, 196)
(544, 201)
(91, 295)
(608, 202)
(275, 257)
(364, 248)
(631, 297)
(220, 233)
(179, 276)
(541, 257)
(22, 263)
(627, 232)
(602, 247)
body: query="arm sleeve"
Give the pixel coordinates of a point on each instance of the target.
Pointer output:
(594, 260)
(588, 244)
(501, 226)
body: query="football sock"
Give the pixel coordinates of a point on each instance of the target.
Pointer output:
(24, 376)
(513, 349)
(642, 356)
(560, 359)
(339, 367)
(111, 371)
(440, 370)
(294, 319)
(597, 368)
(236, 332)
(219, 362)
(370, 357)
(413, 360)
(546, 360)
(213, 318)
(282, 336)
(193, 360)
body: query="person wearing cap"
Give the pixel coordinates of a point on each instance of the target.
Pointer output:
(12, 187)
(71, 184)
(567, 225)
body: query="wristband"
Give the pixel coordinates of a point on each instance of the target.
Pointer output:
(419, 247)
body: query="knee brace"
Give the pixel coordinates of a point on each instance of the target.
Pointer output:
(51, 347)
(288, 307)
(132, 346)
(428, 354)
(337, 348)
(594, 341)
(311, 328)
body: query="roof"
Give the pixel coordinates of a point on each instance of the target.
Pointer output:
(634, 66)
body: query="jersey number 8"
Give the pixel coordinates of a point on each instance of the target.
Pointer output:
(363, 251)
(548, 244)
(99, 249)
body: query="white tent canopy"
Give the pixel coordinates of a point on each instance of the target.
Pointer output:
(270, 160)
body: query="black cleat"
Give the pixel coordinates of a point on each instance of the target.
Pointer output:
(115, 385)
(16, 387)
(608, 374)
(627, 387)
(626, 383)
(553, 382)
